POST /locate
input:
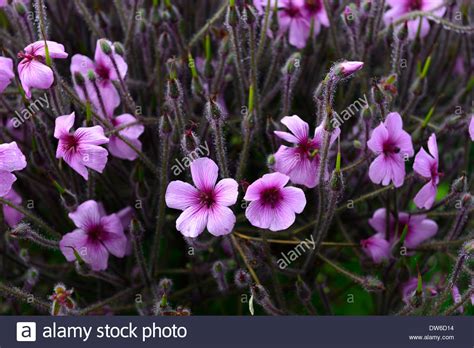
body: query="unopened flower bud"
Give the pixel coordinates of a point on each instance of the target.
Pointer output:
(166, 126)
(218, 272)
(91, 76)
(347, 68)
(118, 48)
(292, 64)
(79, 79)
(337, 181)
(459, 185)
(303, 291)
(349, 16)
(367, 6)
(105, 47)
(271, 160)
(189, 142)
(213, 111)
(402, 33)
(32, 276)
(373, 284)
(164, 286)
(20, 8)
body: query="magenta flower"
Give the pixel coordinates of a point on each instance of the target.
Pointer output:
(272, 205)
(97, 235)
(376, 247)
(105, 72)
(131, 133)
(6, 72)
(471, 128)
(294, 17)
(419, 229)
(33, 71)
(402, 7)
(205, 205)
(301, 162)
(12, 216)
(80, 149)
(426, 164)
(11, 159)
(393, 146)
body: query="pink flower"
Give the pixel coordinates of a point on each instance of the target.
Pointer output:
(427, 165)
(6, 72)
(402, 7)
(205, 205)
(376, 247)
(96, 236)
(105, 72)
(471, 128)
(12, 216)
(11, 159)
(294, 17)
(118, 147)
(392, 145)
(301, 162)
(419, 229)
(409, 288)
(80, 149)
(272, 205)
(33, 71)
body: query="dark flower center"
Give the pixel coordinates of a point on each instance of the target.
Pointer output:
(207, 198)
(307, 149)
(390, 148)
(70, 142)
(292, 10)
(95, 232)
(415, 5)
(313, 6)
(271, 196)
(103, 72)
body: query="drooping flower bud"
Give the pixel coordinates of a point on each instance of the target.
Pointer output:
(218, 272)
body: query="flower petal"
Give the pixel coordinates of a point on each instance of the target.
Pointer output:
(426, 196)
(11, 157)
(421, 232)
(221, 220)
(204, 172)
(87, 214)
(6, 181)
(63, 124)
(294, 197)
(297, 126)
(192, 222)
(75, 240)
(34, 74)
(181, 195)
(94, 157)
(91, 135)
(226, 191)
